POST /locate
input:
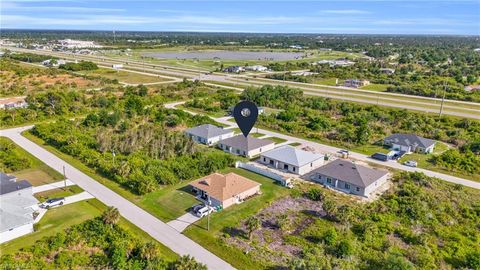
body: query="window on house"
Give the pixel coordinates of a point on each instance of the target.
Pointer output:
(358, 189)
(264, 160)
(285, 166)
(347, 186)
(311, 164)
(293, 168)
(329, 180)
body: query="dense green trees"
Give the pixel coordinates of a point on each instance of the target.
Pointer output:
(94, 244)
(80, 66)
(10, 159)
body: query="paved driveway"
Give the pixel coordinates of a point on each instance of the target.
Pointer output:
(181, 223)
(46, 187)
(141, 218)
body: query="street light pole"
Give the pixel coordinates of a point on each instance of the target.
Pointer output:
(443, 99)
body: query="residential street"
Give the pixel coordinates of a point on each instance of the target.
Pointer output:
(148, 223)
(333, 150)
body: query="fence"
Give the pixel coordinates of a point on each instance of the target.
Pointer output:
(255, 169)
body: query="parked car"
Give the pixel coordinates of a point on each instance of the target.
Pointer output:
(204, 211)
(380, 156)
(52, 202)
(410, 163)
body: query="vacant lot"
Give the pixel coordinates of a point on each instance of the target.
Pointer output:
(124, 76)
(35, 171)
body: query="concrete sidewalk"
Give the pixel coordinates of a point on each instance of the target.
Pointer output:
(46, 187)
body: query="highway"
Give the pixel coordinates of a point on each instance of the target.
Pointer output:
(418, 103)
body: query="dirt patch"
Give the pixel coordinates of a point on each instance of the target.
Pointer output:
(287, 216)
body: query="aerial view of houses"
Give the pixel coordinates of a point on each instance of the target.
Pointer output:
(292, 159)
(224, 190)
(409, 143)
(17, 207)
(349, 177)
(246, 146)
(130, 138)
(209, 134)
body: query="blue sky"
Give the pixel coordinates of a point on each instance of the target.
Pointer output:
(350, 17)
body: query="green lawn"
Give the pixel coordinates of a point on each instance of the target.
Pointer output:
(58, 192)
(56, 220)
(38, 173)
(257, 135)
(370, 149)
(170, 202)
(276, 140)
(231, 217)
(294, 144)
(326, 81)
(376, 87)
(124, 76)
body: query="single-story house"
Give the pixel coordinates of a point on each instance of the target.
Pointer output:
(234, 69)
(208, 134)
(409, 143)
(256, 68)
(292, 159)
(13, 103)
(356, 83)
(224, 190)
(245, 146)
(349, 177)
(387, 70)
(17, 206)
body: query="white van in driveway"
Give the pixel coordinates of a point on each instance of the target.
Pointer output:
(204, 211)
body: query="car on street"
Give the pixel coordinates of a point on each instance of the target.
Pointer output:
(410, 163)
(204, 211)
(52, 202)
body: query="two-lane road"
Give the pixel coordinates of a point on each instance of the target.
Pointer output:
(142, 219)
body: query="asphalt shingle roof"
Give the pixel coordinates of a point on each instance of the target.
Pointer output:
(291, 155)
(245, 144)
(409, 140)
(7, 187)
(208, 131)
(223, 187)
(350, 172)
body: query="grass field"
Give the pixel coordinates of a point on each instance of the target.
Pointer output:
(221, 221)
(376, 87)
(294, 144)
(56, 220)
(170, 202)
(276, 140)
(124, 76)
(38, 173)
(58, 192)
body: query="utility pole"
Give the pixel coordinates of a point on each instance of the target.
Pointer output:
(443, 98)
(208, 215)
(64, 178)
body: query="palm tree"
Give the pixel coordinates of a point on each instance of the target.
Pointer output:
(253, 223)
(148, 251)
(111, 216)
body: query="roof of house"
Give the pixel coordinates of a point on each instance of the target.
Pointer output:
(16, 211)
(409, 140)
(6, 178)
(245, 143)
(350, 172)
(10, 186)
(222, 187)
(208, 131)
(291, 155)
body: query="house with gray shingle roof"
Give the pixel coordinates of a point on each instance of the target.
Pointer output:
(208, 134)
(17, 206)
(292, 159)
(349, 177)
(409, 143)
(246, 146)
